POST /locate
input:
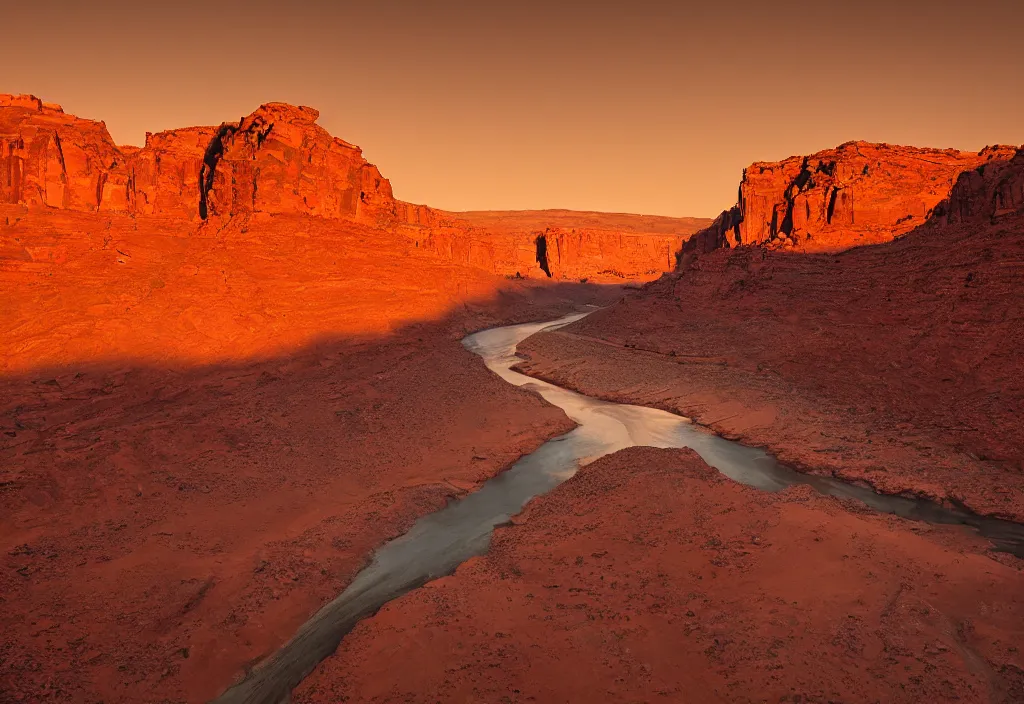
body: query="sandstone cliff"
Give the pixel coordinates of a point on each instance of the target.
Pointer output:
(561, 253)
(164, 175)
(49, 158)
(276, 160)
(993, 190)
(898, 365)
(858, 193)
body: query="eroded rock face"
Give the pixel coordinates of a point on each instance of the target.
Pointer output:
(575, 253)
(724, 232)
(993, 190)
(164, 175)
(556, 253)
(858, 193)
(561, 244)
(49, 158)
(276, 160)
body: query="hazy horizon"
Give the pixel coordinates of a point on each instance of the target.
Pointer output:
(649, 108)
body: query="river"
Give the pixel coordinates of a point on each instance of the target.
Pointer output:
(439, 542)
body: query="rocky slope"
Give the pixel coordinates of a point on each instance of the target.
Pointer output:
(858, 193)
(897, 365)
(649, 577)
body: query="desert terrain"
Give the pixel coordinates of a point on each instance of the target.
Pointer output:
(649, 577)
(894, 365)
(231, 369)
(209, 421)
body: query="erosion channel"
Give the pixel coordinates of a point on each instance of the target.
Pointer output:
(439, 542)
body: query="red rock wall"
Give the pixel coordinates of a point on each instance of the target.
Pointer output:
(857, 193)
(51, 159)
(573, 254)
(279, 161)
(993, 190)
(164, 175)
(276, 160)
(724, 232)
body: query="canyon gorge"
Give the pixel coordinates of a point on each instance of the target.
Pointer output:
(232, 369)
(279, 162)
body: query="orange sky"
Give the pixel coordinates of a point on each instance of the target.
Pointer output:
(647, 107)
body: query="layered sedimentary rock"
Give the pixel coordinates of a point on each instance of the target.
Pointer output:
(556, 253)
(898, 365)
(49, 158)
(574, 253)
(561, 244)
(993, 190)
(723, 232)
(279, 161)
(276, 160)
(164, 175)
(858, 193)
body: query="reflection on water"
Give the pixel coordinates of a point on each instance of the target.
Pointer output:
(439, 542)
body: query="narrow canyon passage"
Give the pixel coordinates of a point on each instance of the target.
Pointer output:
(438, 543)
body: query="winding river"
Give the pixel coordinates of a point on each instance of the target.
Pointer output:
(439, 542)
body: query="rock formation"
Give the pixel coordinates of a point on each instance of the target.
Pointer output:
(276, 160)
(279, 161)
(858, 193)
(556, 253)
(897, 365)
(993, 190)
(164, 175)
(49, 158)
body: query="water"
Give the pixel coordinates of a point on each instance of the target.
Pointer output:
(439, 542)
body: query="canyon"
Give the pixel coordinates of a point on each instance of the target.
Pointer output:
(278, 161)
(205, 341)
(231, 369)
(898, 359)
(648, 576)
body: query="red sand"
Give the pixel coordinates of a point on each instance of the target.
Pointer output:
(205, 434)
(648, 577)
(230, 368)
(217, 401)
